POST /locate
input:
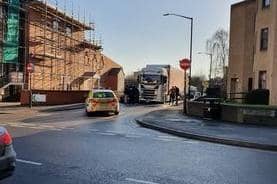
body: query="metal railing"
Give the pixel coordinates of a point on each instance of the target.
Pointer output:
(237, 96)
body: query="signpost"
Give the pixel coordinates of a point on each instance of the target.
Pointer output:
(38, 98)
(30, 69)
(185, 64)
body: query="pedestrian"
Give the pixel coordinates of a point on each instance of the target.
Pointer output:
(136, 95)
(131, 95)
(171, 96)
(177, 91)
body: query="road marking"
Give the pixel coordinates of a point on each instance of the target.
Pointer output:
(165, 140)
(46, 126)
(28, 162)
(17, 126)
(167, 137)
(108, 134)
(93, 130)
(139, 181)
(56, 129)
(37, 128)
(70, 128)
(133, 136)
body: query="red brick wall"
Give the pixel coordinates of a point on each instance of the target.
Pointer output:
(56, 97)
(110, 82)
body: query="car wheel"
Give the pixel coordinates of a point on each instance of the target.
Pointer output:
(116, 113)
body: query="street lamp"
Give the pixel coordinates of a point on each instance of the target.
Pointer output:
(211, 64)
(191, 37)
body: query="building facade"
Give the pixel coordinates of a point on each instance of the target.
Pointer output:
(58, 48)
(253, 56)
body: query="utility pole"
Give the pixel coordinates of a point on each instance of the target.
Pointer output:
(190, 56)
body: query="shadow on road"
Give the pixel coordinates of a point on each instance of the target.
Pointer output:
(100, 114)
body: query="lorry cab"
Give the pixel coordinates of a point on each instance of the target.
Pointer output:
(153, 84)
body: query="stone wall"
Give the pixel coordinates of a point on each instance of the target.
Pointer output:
(195, 109)
(249, 114)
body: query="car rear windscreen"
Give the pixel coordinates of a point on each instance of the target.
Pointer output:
(103, 95)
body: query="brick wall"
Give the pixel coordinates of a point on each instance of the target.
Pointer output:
(61, 59)
(56, 97)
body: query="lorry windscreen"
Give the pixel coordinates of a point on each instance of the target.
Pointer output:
(151, 78)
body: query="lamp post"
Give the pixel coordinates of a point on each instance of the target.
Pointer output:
(211, 64)
(191, 38)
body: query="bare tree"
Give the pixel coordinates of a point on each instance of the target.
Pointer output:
(218, 45)
(198, 81)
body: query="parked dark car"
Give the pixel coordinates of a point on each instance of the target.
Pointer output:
(212, 108)
(7, 154)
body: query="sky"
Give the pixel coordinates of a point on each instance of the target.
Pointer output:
(134, 32)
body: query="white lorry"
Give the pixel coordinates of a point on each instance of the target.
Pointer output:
(155, 81)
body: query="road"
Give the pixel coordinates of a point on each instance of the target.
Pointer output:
(70, 148)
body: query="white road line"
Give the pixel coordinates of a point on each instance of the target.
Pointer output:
(167, 137)
(172, 138)
(29, 162)
(140, 181)
(165, 140)
(46, 126)
(70, 128)
(114, 132)
(28, 124)
(18, 126)
(109, 134)
(133, 136)
(56, 129)
(93, 130)
(37, 128)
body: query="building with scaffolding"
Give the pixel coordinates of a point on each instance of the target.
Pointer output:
(60, 48)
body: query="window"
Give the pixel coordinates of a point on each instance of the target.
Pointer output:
(103, 95)
(55, 25)
(262, 80)
(264, 39)
(68, 31)
(266, 3)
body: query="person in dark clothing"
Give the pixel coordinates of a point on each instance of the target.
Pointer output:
(136, 95)
(177, 94)
(131, 95)
(172, 94)
(128, 93)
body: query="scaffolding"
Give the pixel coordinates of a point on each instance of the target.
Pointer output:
(59, 49)
(12, 47)
(56, 43)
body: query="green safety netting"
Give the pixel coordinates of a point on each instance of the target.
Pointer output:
(11, 35)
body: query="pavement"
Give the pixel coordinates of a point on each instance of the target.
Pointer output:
(14, 112)
(7, 106)
(67, 147)
(174, 122)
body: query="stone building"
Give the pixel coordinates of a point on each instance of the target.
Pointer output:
(253, 52)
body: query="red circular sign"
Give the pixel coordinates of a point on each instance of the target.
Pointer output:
(30, 67)
(185, 64)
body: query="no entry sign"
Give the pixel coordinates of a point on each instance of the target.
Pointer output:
(185, 64)
(30, 68)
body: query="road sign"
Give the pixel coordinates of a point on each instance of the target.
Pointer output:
(38, 98)
(185, 64)
(30, 68)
